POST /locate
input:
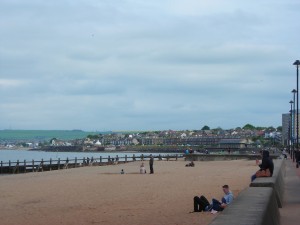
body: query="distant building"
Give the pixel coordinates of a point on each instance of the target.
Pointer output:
(98, 143)
(235, 143)
(286, 128)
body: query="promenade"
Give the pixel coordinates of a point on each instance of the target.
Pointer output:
(291, 204)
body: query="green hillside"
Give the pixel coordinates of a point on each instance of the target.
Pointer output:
(43, 134)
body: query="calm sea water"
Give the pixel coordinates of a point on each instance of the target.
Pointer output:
(21, 155)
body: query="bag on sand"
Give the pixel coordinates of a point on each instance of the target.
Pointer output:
(203, 202)
(263, 173)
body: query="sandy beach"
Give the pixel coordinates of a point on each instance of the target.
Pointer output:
(101, 195)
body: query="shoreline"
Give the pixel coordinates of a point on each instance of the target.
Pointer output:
(17, 149)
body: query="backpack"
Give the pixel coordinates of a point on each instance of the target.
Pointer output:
(203, 202)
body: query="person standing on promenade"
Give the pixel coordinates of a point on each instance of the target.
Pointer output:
(284, 153)
(151, 164)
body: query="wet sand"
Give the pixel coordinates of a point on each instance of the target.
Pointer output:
(101, 195)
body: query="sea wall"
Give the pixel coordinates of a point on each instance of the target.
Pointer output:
(62, 149)
(258, 204)
(222, 157)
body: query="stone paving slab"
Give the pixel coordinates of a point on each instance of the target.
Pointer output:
(290, 212)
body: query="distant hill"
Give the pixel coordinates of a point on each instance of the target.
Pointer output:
(44, 135)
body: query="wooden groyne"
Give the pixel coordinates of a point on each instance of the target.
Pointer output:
(15, 167)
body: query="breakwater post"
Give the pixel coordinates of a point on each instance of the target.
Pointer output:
(11, 167)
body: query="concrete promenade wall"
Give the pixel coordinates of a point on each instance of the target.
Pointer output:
(258, 204)
(276, 181)
(222, 157)
(253, 206)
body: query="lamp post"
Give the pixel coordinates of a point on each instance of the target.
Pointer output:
(291, 131)
(297, 63)
(293, 119)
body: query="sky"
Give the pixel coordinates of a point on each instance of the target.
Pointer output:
(146, 65)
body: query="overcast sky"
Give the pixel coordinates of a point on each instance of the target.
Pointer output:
(146, 65)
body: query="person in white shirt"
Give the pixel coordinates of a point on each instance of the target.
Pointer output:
(142, 169)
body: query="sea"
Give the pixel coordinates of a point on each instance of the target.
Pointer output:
(10, 136)
(21, 155)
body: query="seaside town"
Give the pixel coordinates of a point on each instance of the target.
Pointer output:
(245, 137)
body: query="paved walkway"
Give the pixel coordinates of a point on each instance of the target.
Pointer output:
(290, 212)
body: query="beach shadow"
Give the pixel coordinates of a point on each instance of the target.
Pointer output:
(134, 173)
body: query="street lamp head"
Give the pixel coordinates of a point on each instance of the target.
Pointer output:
(294, 91)
(296, 63)
(291, 102)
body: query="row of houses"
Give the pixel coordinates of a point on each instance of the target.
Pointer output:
(237, 138)
(206, 138)
(192, 141)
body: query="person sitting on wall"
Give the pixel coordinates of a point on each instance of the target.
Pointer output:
(266, 167)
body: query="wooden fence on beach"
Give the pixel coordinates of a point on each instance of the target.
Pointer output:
(15, 167)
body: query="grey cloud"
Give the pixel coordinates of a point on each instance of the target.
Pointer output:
(145, 65)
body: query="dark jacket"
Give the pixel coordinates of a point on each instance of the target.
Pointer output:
(267, 162)
(151, 160)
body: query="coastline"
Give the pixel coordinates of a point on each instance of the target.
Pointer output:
(15, 148)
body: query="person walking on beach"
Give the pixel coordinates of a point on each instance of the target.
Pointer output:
(151, 164)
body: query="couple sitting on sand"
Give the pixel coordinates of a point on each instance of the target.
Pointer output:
(202, 204)
(191, 164)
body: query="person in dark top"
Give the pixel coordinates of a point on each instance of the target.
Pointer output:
(297, 156)
(151, 164)
(266, 167)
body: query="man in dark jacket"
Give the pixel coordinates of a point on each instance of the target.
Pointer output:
(151, 164)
